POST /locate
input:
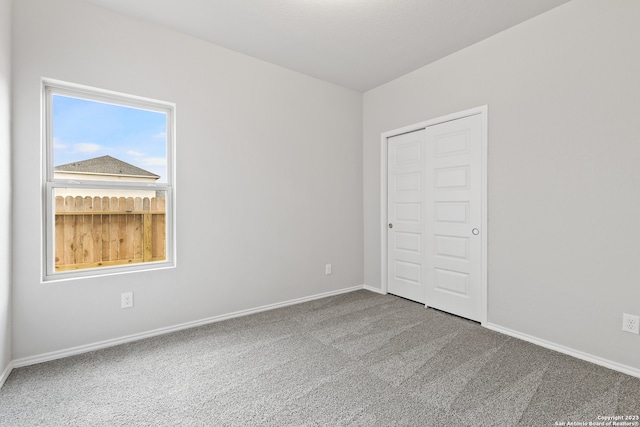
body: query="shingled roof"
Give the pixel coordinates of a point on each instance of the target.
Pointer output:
(105, 165)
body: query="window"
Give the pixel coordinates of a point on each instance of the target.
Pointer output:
(109, 182)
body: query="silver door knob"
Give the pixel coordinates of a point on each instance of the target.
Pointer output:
(390, 225)
(475, 231)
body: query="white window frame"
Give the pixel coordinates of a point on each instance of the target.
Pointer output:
(50, 183)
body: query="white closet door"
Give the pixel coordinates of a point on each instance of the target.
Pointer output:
(454, 217)
(406, 215)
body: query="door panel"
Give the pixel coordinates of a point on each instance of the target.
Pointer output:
(406, 212)
(454, 191)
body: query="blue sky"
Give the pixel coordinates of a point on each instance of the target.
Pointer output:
(85, 129)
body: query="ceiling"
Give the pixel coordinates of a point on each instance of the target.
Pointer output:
(358, 44)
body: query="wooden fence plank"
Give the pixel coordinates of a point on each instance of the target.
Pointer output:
(161, 236)
(97, 230)
(77, 231)
(87, 231)
(122, 229)
(138, 231)
(147, 236)
(131, 226)
(105, 235)
(59, 232)
(114, 224)
(68, 234)
(160, 230)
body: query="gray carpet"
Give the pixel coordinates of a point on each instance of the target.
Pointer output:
(358, 359)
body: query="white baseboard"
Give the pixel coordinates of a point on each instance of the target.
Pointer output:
(567, 350)
(372, 289)
(5, 373)
(46, 357)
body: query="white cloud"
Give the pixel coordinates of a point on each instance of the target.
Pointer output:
(135, 153)
(153, 161)
(160, 135)
(58, 144)
(86, 147)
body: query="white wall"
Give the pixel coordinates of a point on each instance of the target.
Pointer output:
(268, 171)
(5, 185)
(564, 166)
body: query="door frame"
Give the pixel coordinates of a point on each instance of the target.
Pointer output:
(384, 145)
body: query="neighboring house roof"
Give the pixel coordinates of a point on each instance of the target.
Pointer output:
(105, 165)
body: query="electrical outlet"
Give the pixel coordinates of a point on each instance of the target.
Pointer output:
(327, 269)
(631, 323)
(126, 300)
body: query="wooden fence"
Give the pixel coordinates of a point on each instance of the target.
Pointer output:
(103, 231)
